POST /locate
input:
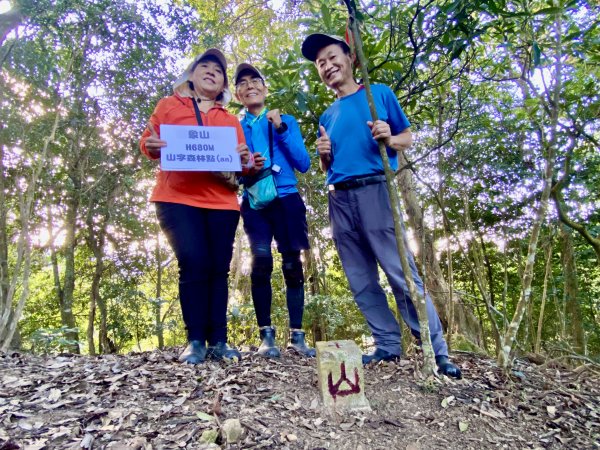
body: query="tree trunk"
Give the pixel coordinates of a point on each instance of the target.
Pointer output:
(105, 346)
(572, 304)
(96, 244)
(91, 320)
(4, 237)
(236, 261)
(547, 274)
(66, 300)
(18, 273)
(465, 321)
(549, 149)
(158, 294)
(8, 21)
(474, 255)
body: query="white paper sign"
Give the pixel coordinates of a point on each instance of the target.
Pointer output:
(195, 148)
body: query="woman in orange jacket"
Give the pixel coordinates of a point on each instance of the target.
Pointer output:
(199, 211)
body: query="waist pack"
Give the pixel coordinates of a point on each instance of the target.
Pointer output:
(261, 188)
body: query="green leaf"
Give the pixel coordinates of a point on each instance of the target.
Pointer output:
(463, 426)
(204, 416)
(548, 11)
(420, 20)
(535, 54)
(326, 15)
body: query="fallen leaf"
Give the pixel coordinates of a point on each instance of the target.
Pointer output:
(216, 406)
(24, 425)
(54, 395)
(393, 422)
(463, 426)
(180, 401)
(204, 416)
(87, 441)
(447, 401)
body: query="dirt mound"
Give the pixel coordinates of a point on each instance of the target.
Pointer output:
(150, 401)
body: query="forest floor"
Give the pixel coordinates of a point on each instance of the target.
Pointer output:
(150, 401)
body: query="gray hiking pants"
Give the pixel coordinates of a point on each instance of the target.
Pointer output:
(363, 231)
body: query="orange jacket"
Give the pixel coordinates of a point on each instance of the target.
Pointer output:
(200, 189)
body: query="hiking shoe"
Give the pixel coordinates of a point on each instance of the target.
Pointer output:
(298, 344)
(223, 352)
(194, 353)
(267, 348)
(445, 367)
(379, 355)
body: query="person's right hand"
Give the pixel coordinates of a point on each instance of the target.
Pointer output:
(324, 144)
(153, 142)
(259, 161)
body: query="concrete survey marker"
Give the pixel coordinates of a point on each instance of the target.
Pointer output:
(340, 371)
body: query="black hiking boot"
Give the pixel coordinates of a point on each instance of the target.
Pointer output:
(379, 355)
(267, 348)
(223, 352)
(194, 353)
(298, 344)
(445, 367)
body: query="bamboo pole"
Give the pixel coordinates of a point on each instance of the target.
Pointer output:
(429, 365)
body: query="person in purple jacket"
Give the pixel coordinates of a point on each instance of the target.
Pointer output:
(359, 205)
(284, 218)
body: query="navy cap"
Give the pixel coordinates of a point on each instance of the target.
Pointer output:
(245, 67)
(316, 41)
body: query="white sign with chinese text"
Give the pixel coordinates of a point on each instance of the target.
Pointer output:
(196, 148)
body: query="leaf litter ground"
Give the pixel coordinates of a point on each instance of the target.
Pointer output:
(150, 401)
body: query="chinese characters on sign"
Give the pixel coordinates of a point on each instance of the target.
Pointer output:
(341, 376)
(196, 148)
(353, 388)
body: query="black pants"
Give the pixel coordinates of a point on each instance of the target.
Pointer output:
(202, 240)
(284, 220)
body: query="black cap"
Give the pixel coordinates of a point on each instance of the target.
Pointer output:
(245, 67)
(316, 41)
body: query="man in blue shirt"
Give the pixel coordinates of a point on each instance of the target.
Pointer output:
(276, 143)
(359, 205)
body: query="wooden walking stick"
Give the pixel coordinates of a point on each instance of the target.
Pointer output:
(429, 365)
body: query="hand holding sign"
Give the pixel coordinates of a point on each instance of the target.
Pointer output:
(259, 161)
(153, 142)
(244, 153)
(201, 148)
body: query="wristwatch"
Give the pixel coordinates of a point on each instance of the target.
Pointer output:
(282, 128)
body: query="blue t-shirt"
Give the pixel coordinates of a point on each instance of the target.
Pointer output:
(354, 152)
(289, 152)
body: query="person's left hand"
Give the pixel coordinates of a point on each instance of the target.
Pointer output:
(380, 131)
(274, 116)
(244, 153)
(259, 161)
